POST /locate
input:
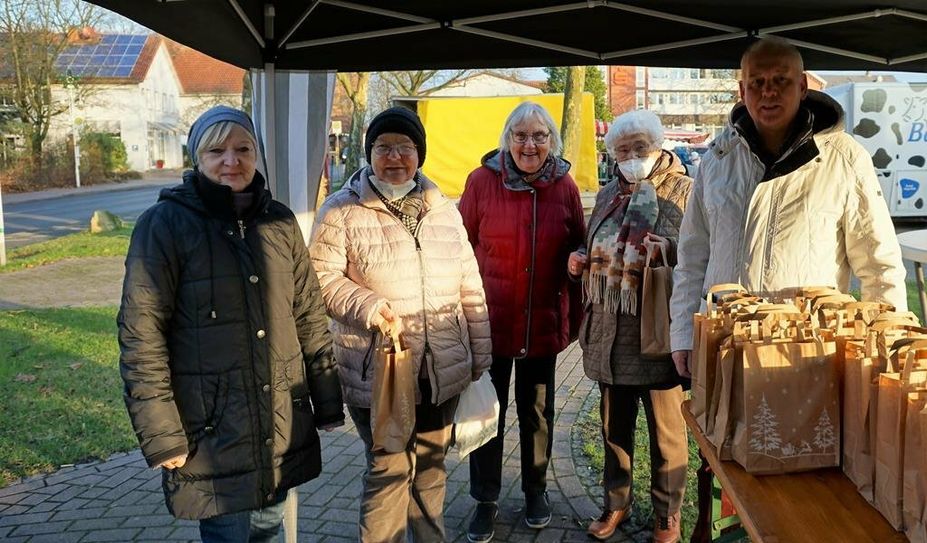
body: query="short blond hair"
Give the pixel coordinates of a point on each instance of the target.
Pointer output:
(773, 46)
(216, 134)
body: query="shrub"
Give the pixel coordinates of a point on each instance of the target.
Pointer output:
(102, 157)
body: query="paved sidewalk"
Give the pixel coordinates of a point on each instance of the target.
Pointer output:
(120, 499)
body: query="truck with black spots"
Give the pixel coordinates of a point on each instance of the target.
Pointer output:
(889, 119)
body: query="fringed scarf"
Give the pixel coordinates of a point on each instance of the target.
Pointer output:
(617, 254)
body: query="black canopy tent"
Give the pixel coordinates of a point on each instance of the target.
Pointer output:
(369, 35)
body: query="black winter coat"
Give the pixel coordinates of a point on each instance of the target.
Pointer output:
(225, 349)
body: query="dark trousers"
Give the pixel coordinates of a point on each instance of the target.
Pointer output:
(669, 451)
(258, 526)
(406, 489)
(534, 402)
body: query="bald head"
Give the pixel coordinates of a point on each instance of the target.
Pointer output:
(773, 47)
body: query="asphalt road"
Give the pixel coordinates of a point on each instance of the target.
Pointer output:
(39, 220)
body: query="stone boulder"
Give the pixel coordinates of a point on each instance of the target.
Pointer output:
(104, 221)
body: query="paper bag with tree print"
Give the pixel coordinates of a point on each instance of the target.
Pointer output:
(790, 417)
(914, 493)
(891, 417)
(392, 406)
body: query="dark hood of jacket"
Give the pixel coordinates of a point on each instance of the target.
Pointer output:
(817, 114)
(502, 162)
(205, 197)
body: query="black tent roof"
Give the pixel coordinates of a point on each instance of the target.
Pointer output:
(369, 35)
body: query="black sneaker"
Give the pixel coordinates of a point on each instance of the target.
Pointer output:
(483, 524)
(537, 510)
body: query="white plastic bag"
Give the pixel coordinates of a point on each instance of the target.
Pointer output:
(477, 418)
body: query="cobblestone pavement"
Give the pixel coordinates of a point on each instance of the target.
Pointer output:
(120, 499)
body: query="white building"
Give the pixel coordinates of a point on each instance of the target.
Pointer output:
(488, 84)
(146, 90)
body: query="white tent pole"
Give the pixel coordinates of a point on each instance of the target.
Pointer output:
(270, 125)
(363, 35)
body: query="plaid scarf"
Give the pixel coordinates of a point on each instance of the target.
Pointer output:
(617, 254)
(407, 209)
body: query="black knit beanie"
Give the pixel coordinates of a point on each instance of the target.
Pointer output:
(398, 120)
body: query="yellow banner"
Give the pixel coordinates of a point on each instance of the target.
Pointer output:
(460, 131)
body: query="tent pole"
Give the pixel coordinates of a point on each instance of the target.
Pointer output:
(270, 124)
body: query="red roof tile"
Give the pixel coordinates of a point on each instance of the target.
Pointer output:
(202, 74)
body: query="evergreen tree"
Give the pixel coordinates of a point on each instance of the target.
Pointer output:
(765, 436)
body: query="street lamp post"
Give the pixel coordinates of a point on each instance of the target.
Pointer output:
(2, 234)
(69, 84)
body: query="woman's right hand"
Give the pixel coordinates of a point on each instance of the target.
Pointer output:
(174, 463)
(389, 323)
(576, 263)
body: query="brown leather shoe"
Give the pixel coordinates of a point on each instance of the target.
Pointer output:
(666, 529)
(605, 526)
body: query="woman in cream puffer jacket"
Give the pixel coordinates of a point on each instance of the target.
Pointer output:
(365, 257)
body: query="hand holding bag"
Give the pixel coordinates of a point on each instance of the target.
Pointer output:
(392, 407)
(476, 420)
(655, 297)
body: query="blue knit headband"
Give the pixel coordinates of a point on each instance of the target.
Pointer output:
(212, 116)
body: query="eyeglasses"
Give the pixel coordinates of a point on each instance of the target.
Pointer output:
(538, 138)
(405, 149)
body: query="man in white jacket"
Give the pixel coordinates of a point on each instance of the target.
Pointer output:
(783, 198)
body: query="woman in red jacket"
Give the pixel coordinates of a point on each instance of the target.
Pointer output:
(523, 215)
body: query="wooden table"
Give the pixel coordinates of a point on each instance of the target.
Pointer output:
(820, 506)
(914, 248)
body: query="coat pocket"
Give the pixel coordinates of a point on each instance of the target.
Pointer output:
(219, 434)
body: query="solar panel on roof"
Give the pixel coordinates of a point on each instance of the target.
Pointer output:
(114, 56)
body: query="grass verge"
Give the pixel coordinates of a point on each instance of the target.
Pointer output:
(590, 431)
(60, 390)
(79, 245)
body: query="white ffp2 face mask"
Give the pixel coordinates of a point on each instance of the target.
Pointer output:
(637, 169)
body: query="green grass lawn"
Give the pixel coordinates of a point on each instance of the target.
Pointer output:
(81, 244)
(590, 430)
(60, 390)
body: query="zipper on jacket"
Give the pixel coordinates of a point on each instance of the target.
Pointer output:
(770, 234)
(743, 220)
(534, 237)
(241, 228)
(429, 367)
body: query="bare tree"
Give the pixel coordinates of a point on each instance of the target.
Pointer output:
(34, 33)
(422, 82)
(572, 112)
(355, 88)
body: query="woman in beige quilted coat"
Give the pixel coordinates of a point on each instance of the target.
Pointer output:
(644, 205)
(391, 253)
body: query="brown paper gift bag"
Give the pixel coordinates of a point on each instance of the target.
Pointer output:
(861, 366)
(710, 329)
(914, 502)
(891, 416)
(392, 407)
(789, 419)
(655, 297)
